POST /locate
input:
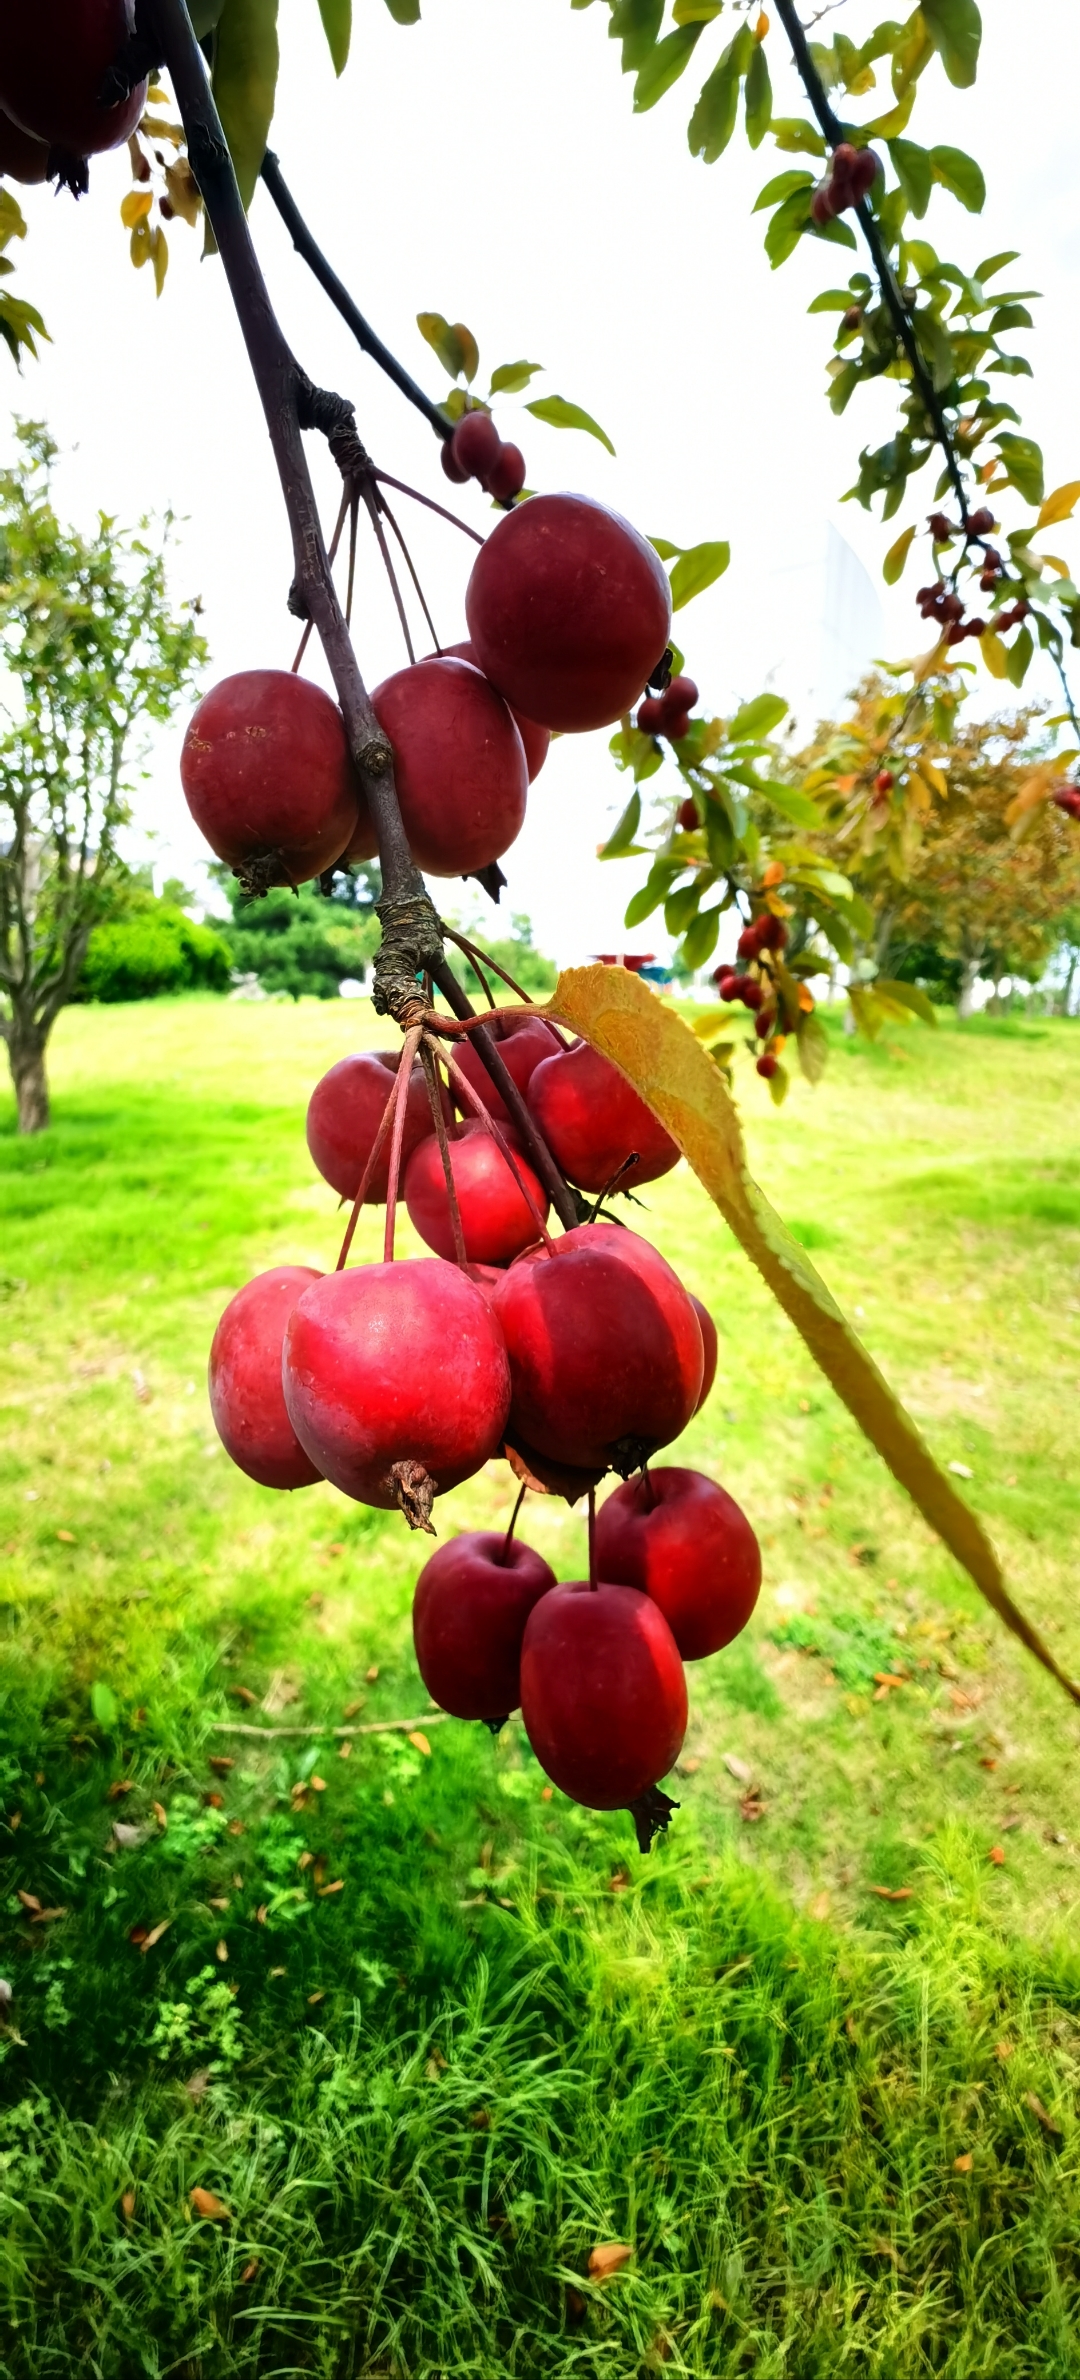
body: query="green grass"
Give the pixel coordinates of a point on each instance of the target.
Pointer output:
(426, 2096)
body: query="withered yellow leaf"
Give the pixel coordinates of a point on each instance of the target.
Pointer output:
(658, 1054)
(212, 2209)
(608, 2258)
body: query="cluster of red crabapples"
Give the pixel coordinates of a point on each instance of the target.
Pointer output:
(944, 606)
(568, 612)
(668, 714)
(474, 450)
(758, 992)
(851, 177)
(572, 1357)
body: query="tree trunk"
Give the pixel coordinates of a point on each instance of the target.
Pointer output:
(965, 1005)
(26, 1054)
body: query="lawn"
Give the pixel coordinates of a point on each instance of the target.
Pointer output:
(417, 2033)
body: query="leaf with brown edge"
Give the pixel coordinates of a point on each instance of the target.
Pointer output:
(212, 2210)
(659, 1055)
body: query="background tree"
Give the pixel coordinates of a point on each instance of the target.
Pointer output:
(148, 946)
(92, 650)
(303, 942)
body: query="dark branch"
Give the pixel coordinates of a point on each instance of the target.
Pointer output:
(411, 938)
(890, 288)
(336, 291)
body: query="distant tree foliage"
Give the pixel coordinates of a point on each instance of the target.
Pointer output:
(520, 957)
(152, 948)
(306, 943)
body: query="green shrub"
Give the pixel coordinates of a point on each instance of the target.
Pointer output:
(153, 950)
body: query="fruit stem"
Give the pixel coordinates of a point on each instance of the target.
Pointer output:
(386, 480)
(558, 1191)
(434, 1095)
(473, 953)
(372, 508)
(331, 558)
(650, 1491)
(465, 1093)
(592, 1539)
(411, 566)
(365, 1178)
(507, 1540)
(401, 1099)
(291, 404)
(616, 1178)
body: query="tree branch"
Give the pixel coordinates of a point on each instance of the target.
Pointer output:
(559, 1192)
(411, 937)
(890, 288)
(307, 247)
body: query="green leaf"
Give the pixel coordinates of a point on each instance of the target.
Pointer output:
(833, 301)
(782, 186)
(1009, 318)
(696, 12)
(713, 120)
(892, 567)
(794, 805)
(955, 28)
(623, 834)
(995, 264)
(18, 323)
(796, 137)
(757, 718)
(697, 568)
(778, 1085)
(1023, 463)
(407, 12)
(453, 343)
(913, 172)
(812, 1044)
(245, 82)
(786, 227)
(636, 23)
(664, 65)
(1017, 657)
(512, 377)
(561, 415)
(758, 97)
(337, 25)
(958, 172)
(700, 938)
(104, 1704)
(906, 995)
(665, 549)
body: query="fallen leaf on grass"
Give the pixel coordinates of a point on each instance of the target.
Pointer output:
(996, 1855)
(419, 1741)
(65, 1536)
(820, 1906)
(314, 1998)
(737, 1768)
(960, 1470)
(221, 1952)
(146, 1941)
(325, 1889)
(127, 2205)
(221, 1763)
(198, 2084)
(261, 1915)
(213, 2210)
(886, 1892)
(279, 1693)
(45, 1916)
(128, 1838)
(244, 1694)
(29, 1900)
(1032, 2100)
(161, 1814)
(119, 1787)
(345, 1749)
(608, 2259)
(751, 1808)
(352, 1708)
(963, 2164)
(249, 2271)
(1004, 2049)
(371, 1674)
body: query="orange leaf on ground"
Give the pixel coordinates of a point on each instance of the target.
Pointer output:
(608, 2259)
(1032, 2100)
(996, 1855)
(221, 1763)
(324, 1890)
(120, 1786)
(249, 2271)
(963, 2164)
(419, 1741)
(127, 2205)
(885, 1892)
(29, 1899)
(213, 2210)
(147, 1941)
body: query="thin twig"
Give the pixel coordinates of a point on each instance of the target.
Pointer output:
(435, 1097)
(539, 1154)
(385, 508)
(365, 1727)
(331, 557)
(336, 291)
(405, 1066)
(466, 1095)
(385, 479)
(366, 1176)
(371, 504)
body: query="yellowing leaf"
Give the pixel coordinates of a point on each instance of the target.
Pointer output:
(135, 207)
(1037, 788)
(608, 2259)
(419, 1741)
(1059, 506)
(185, 196)
(159, 257)
(660, 1057)
(1054, 562)
(993, 653)
(931, 775)
(893, 565)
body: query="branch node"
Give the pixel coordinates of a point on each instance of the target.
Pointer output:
(411, 944)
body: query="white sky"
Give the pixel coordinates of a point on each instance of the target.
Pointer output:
(486, 164)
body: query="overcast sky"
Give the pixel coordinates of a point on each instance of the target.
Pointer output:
(486, 164)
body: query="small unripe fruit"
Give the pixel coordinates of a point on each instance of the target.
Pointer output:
(476, 444)
(650, 715)
(884, 781)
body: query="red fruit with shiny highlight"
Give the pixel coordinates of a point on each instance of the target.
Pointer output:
(506, 477)
(524, 1042)
(268, 779)
(605, 1349)
(680, 1538)
(54, 57)
(459, 765)
(535, 739)
(344, 1113)
(650, 715)
(497, 1221)
(22, 157)
(569, 610)
(592, 1120)
(710, 1349)
(603, 1695)
(246, 1396)
(390, 1364)
(472, 1603)
(475, 444)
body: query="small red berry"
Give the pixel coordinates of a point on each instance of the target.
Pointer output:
(822, 208)
(767, 1066)
(771, 932)
(884, 781)
(450, 464)
(687, 817)
(766, 1021)
(981, 522)
(749, 942)
(941, 528)
(477, 445)
(650, 717)
(506, 477)
(1067, 798)
(680, 694)
(676, 725)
